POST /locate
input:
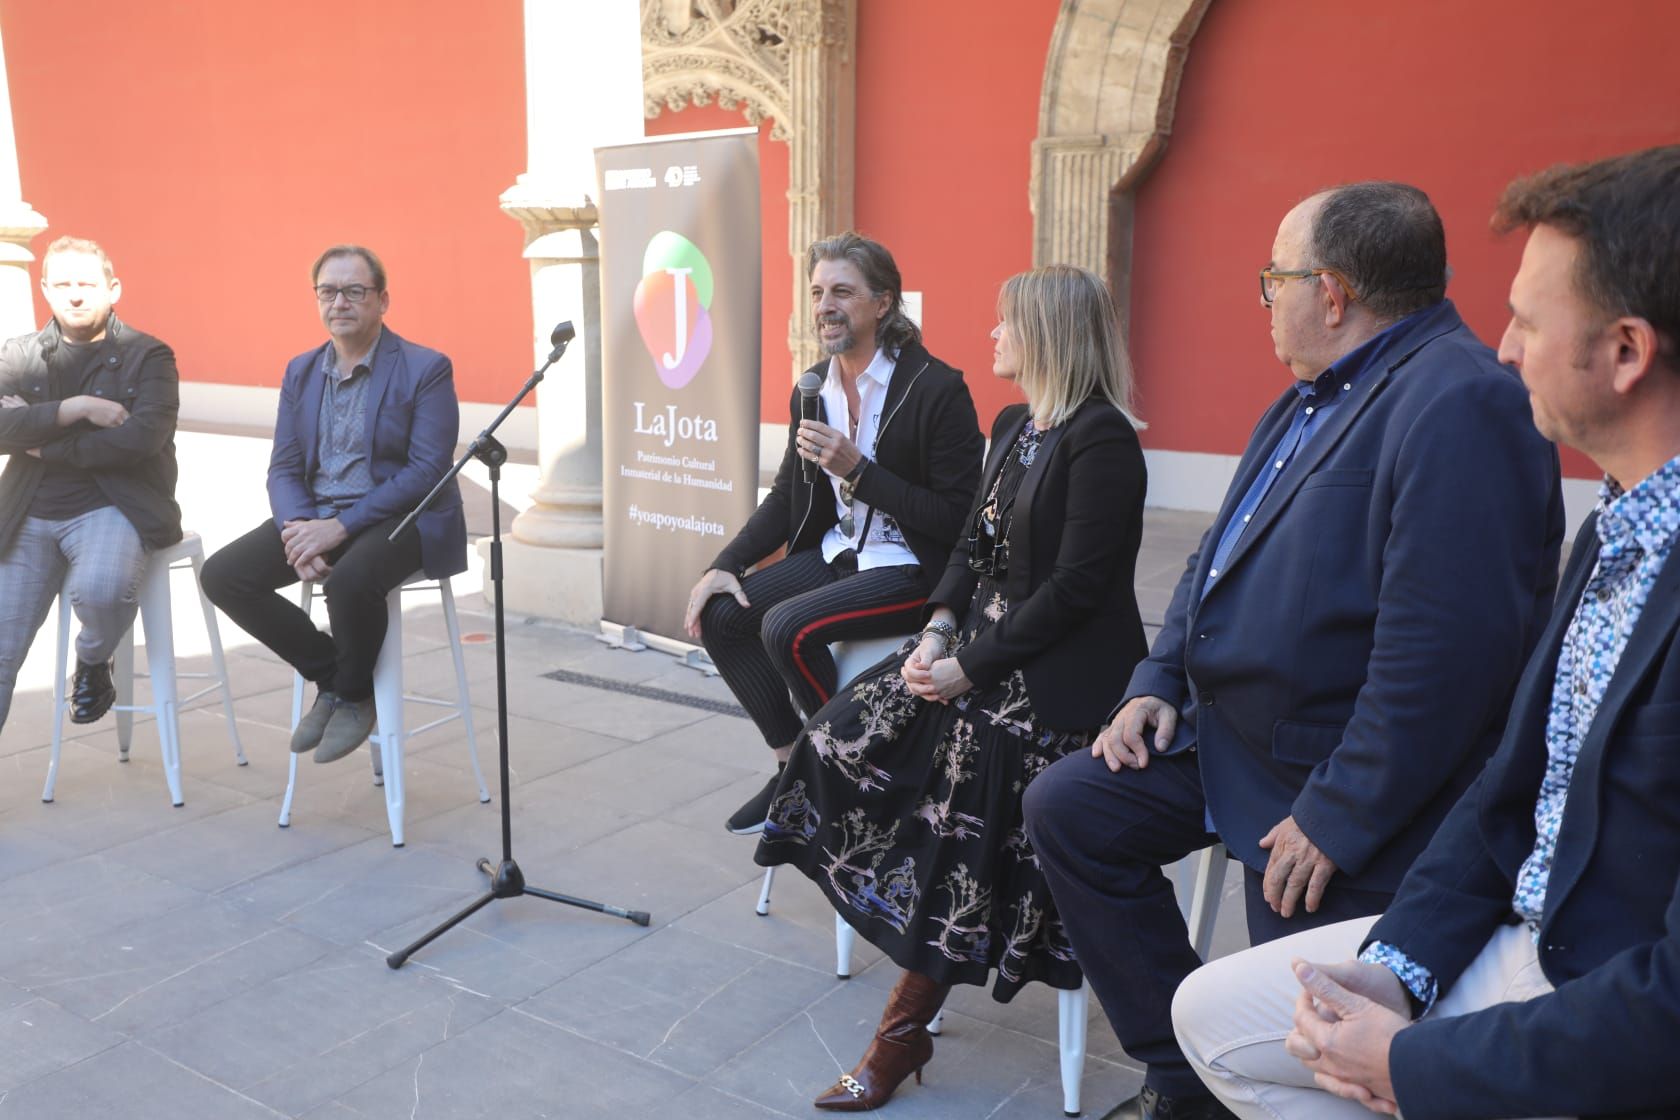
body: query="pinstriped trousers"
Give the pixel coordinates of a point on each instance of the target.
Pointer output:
(779, 645)
(105, 560)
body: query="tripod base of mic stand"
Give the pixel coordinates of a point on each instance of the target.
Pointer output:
(507, 881)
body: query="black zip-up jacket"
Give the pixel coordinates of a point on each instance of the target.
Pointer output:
(923, 474)
(134, 463)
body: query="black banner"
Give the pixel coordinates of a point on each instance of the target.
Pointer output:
(680, 362)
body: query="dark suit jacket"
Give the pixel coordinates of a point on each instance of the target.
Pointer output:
(1354, 662)
(1072, 627)
(927, 457)
(413, 419)
(1610, 939)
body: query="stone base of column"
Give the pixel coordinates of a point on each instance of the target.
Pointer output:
(559, 583)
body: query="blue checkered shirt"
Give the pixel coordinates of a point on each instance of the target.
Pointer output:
(1636, 531)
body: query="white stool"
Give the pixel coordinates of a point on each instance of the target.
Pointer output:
(387, 741)
(157, 619)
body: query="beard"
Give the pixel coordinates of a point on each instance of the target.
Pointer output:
(846, 340)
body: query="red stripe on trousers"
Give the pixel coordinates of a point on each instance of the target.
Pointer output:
(799, 638)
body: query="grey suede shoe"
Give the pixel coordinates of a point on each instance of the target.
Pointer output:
(351, 723)
(307, 735)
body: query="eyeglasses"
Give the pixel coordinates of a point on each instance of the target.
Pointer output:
(988, 541)
(355, 293)
(1271, 279)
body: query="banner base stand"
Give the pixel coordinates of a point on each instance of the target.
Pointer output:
(619, 636)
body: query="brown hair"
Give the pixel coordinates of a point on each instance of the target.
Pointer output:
(1063, 323)
(375, 265)
(896, 329)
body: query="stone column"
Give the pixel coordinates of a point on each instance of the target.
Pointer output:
(19, 225)
(583, 88)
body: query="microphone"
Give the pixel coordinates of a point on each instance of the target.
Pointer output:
(558, 338)
(810, 384)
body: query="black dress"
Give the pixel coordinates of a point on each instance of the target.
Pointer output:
(907, 813)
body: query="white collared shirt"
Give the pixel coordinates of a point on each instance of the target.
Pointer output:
(885, 545)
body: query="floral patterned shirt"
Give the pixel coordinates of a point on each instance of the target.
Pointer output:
(1636, 532)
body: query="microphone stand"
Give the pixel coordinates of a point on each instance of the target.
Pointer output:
(506, 880)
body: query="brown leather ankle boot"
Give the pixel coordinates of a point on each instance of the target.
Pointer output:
(901, 1047)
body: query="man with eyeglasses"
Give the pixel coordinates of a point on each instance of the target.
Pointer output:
(87, 420)
(1339, 654)
(367, 426)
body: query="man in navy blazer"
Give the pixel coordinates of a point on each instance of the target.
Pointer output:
(1536, 941)
(1339, 654)
(367, 426)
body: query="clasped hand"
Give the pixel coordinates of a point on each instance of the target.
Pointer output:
(1346, 1018)
(931, 675)
(308, 542)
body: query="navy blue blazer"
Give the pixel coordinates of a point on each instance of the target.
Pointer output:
(1355, 660)
(413, 419)
(1610, 939)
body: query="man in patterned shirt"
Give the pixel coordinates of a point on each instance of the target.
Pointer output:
(367, 426)
(1530, 964)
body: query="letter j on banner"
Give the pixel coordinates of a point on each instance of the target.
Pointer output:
(680, 365)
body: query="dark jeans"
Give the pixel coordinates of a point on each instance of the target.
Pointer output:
(779, 645)
(244, 579)
(1102, 839)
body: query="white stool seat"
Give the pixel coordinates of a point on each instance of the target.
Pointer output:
(157, 620)
(390, 736)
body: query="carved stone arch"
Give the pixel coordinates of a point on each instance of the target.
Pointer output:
(790, 61)
(1110, 88)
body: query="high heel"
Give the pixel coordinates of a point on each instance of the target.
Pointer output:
(900, 1048)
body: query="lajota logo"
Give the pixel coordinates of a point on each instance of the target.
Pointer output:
(673, 307)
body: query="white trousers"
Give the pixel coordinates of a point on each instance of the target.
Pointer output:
(1231, 1016)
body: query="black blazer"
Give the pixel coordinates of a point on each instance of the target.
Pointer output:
(927, 457)
(1072, 627)
(1610, 939)
(134, 463)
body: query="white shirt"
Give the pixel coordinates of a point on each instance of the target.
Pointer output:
(885, 545)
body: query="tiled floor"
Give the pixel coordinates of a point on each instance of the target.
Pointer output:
(199, 962)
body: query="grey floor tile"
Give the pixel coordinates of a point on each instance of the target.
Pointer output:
(215, 853)
(303, 1039)
(162, 969)
(135, 1083)
(706, 1103)
(81, 898)
(799, 927)
(514, 1067)
(38, 1037)
(649, 780)
(681, 1000)
(611, 713)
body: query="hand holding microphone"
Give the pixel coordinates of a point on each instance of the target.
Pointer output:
(810, 384)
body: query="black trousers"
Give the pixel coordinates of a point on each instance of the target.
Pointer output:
(779, 645)
(1102, 839)
(244, 580)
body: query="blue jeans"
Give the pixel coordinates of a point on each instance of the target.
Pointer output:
(104, 557)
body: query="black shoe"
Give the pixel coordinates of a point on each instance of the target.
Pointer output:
(748, 820)
(91, 692)
(1150, 1105)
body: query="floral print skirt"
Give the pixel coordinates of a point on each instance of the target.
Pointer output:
(908, 815)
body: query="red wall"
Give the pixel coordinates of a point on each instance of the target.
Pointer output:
(943, 140)
(215, 148)
(1280, 99)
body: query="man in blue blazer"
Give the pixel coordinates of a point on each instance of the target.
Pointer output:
(1339, 654)
(1536, 942)
(367, 426)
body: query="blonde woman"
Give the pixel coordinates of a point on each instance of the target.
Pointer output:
(902, 799)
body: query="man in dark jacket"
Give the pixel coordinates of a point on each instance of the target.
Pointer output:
(1315, 698)
(1530, 963)
(882, 459)
(366, 427)
(87, 416)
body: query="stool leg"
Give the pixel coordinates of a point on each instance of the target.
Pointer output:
(123, 678)
(388, 708)
(218, 662)
(63, 666)
(463, 702)
(305, 597)
(1073, 1009)
(763, 906)
(844, 938)
(1204, 897)
(156, 617)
